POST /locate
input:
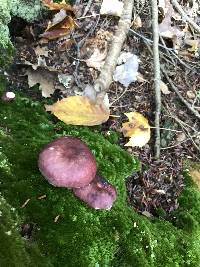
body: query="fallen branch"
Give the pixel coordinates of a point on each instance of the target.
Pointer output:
(156, 75)
(175, 89)
(105, 78)
(185, 16)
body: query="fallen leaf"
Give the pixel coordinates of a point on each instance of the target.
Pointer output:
(94, 51)
(137, 22)
(164, 88)
(61, 29)
(137, 129)
(195, 44)
(97, 59)
(57, 6)
(79, 110)
(44, 78)
(41, 51)
(111, 7)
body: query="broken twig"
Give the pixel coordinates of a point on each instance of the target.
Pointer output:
(105, 78)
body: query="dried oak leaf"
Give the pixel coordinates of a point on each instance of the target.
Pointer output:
(79, 110)
(44, 78)
(97, 59)
(61, 29)
(137, 129)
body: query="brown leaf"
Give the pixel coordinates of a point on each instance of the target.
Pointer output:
(63, 28)
(79, 110)
(97, 59)
(57, 6)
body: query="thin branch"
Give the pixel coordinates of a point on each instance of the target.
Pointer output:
(171, 50)
(156, 74)
(184, 15)
(105, 78)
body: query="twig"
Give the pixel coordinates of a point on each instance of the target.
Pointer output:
(25, 203)
(184, 127)
(156, 74)
(172, 51)
(118, 98)
(167, 129)
(105, 78)
(168, 52)
(180, 143)
(184, 15)
(175, 89)
(89, 16)
(148, 40)
(87, 8)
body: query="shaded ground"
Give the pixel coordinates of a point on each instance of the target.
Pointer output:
(160, 181)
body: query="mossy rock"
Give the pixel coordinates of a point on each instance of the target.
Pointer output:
(24, 9)
(83, 236)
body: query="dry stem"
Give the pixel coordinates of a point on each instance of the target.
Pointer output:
(105, 78)
(156, 74)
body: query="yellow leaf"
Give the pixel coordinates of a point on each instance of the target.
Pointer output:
(137, 129)
(79, 110)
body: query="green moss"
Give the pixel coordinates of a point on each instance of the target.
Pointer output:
(12, 251)
(84, 236)
(27, 10)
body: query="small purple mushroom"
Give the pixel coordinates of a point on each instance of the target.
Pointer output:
(68, 162)
(99, 194)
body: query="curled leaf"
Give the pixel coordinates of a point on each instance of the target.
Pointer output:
(137, 129)
(60, 29)
(79, 110)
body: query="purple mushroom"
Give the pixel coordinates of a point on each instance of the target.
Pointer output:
(68, 162)
(99, 194)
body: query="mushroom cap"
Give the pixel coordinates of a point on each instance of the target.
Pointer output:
(67, 162)
(99, 194)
